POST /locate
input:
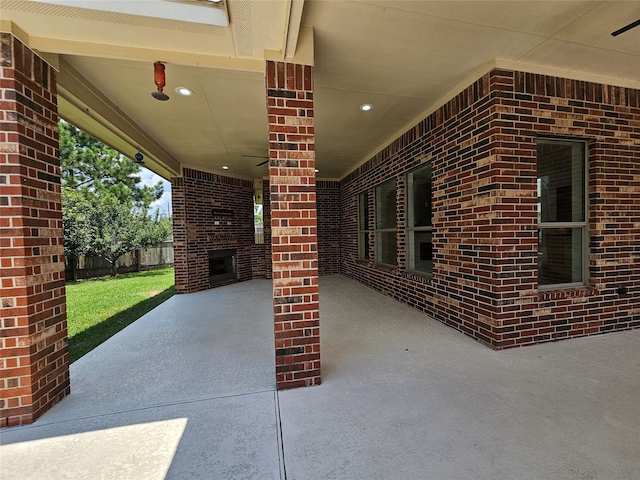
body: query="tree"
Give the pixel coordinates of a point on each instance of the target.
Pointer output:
(89, 166)
(105, 209)
(75, 236)
(114, 228)
(258, 215)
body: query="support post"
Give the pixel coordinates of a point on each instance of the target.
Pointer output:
(293, 224)
(34, 360)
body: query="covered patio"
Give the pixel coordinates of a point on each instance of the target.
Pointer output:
(476, 161)
(189, 391)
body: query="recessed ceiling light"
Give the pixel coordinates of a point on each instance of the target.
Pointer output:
(224, 167)
(317, 170)
(184, 91)
(366, 107)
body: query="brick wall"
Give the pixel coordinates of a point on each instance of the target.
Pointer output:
(210, 212)
(328, 208)
(328, 205)
(482, 149)
(293, 223)
(200, 185)
(35, 361)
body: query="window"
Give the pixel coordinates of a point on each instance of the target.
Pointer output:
(363, 226)
(258, 223)
(386, 241)
(258, 212)
(419, 226)
(562, 213)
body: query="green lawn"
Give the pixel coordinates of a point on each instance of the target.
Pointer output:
(98, 309)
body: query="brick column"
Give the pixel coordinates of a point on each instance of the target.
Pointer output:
(35, 360)
(180, 259)
(293, 224)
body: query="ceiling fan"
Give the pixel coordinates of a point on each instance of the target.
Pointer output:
(257, 156)
(626, 28)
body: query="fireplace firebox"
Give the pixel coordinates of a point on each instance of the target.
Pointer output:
(222, 266)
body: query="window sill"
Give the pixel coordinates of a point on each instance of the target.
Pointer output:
(573, 292)
(385, 266)
(417, 276)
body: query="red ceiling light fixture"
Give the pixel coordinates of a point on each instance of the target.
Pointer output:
(159, 79)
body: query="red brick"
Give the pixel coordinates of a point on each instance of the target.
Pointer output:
(296, 222)
(32, 202)
(503, 271)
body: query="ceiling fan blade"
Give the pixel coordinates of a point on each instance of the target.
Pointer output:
(260, 164)
(624, 29)
(254, 156)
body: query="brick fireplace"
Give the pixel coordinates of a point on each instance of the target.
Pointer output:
(222, 266)
(212, 227)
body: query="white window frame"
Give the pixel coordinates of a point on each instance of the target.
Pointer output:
(583, 225)
(363, 225)
(410, 229)
(380, 231)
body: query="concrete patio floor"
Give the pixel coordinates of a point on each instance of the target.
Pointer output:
(188, 391)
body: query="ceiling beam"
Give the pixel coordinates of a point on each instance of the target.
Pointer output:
(293, 29)
(109, 123)
(99, 50)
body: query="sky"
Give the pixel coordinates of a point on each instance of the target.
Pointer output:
(149, 178)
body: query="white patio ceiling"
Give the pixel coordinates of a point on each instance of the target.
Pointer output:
(403, 57)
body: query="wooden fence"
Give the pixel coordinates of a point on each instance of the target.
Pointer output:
(136, 261)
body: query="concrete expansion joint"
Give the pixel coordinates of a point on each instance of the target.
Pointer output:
(281, 459)
(41, 423)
